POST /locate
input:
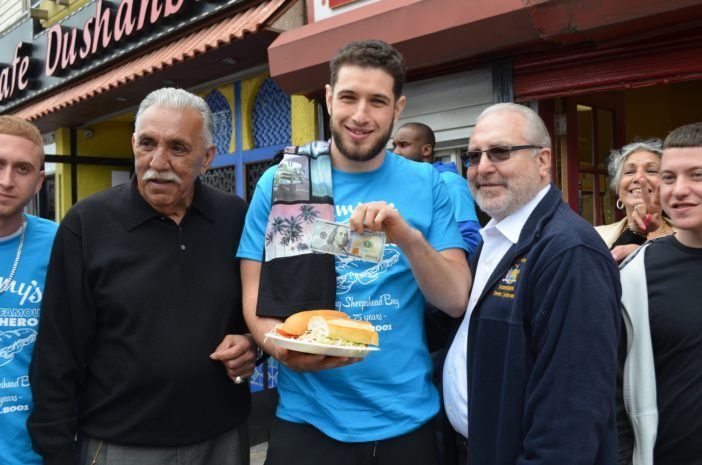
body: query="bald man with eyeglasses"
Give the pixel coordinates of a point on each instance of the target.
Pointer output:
(531, 373)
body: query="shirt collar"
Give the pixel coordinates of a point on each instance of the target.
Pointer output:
(511, 227)
(139, 211)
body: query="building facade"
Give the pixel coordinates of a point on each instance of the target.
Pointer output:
(601, 74)
(78, 69)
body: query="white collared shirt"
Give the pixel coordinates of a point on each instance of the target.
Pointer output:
(498, 237)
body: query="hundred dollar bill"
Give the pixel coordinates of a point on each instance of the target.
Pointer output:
(338, 239)
(367, 246)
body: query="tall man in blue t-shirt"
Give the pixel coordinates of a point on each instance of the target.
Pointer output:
(378, 410)
(416, 142)
(25, 244)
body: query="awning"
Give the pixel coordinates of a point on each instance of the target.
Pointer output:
(660, 60)
(181, 50)
(427, 32)
(432, 34)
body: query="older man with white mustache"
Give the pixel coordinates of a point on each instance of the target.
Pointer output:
(168, 176)
(142, 302)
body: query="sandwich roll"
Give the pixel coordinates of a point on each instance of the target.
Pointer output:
(298, 323)
(361, 332)
(328, 327)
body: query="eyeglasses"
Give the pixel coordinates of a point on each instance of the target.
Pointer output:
(495, 154)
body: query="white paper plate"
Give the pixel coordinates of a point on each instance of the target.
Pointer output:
(319, 349)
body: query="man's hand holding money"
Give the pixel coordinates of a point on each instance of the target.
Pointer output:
(379, 216)
(443, 277)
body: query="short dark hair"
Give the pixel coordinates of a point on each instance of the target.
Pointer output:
(371, 54)
(689, 135)
(426, 135)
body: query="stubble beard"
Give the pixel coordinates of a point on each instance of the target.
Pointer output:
(517, 193)
(354, 152)
(12, 210)
(12, 213)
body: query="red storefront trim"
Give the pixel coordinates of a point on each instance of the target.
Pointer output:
(431, 33)
(659, 60)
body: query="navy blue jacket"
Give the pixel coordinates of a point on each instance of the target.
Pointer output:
(542, 347)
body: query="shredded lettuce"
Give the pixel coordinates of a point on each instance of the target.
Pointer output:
(320, 335)
(310, 336)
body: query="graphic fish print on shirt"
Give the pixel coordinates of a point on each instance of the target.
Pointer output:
(347, 277)
(13, 342)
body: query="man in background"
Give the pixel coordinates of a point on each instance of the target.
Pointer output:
(416, 141)
(25, 245)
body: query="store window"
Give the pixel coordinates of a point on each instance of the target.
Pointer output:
(254, 171)
(223, 178)
(595, 140)
(222, 120)
(272, 131)
(271, 116)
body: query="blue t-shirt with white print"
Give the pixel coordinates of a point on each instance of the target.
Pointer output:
(19, 319)
(390, 392)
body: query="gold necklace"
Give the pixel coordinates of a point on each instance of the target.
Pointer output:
(8, 281)
(663, 230)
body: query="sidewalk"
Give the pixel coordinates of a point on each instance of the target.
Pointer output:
(258, 454)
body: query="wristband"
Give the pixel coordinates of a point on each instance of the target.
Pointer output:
(260, 354)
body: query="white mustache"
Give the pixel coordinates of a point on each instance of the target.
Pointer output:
(151, 175)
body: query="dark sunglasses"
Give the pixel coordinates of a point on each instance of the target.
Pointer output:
(496, 154)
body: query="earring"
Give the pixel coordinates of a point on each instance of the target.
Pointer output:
(619, 204)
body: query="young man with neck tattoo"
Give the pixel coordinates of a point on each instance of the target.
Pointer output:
(25, 244)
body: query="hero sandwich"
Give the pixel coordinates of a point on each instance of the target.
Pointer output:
(328, 327)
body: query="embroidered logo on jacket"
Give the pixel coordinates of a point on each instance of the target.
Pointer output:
(505, 288)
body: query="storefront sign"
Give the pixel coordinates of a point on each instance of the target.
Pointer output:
(66, 47)
(14, 77)
(35, 60)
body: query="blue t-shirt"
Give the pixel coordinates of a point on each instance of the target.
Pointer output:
(19, 319)
(390, 392)
(463, 203)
